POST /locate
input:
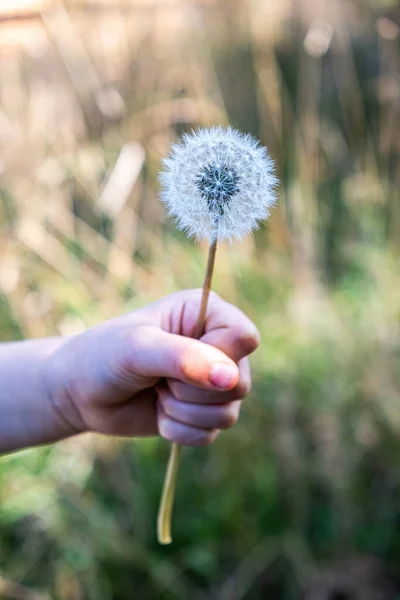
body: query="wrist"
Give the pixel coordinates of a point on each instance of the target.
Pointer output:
(61, 405)
(28, 415)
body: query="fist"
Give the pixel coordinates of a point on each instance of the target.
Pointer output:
(143, 374)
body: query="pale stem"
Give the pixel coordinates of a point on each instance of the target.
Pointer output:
(171, 476)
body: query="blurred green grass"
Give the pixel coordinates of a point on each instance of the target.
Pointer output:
(306, 487)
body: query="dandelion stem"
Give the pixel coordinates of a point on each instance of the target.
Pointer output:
(168, 493)
(201, 319)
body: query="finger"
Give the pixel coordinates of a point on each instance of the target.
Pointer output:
(237, 338)
(153, 353)
(234, 342)
(186, 435)
(201, 416)
(178, 314)
(192, 394)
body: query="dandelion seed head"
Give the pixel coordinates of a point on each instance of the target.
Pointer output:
(218, 183)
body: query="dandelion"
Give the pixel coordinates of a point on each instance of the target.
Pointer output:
(218, 184)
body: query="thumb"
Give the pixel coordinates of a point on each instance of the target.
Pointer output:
(156, 354)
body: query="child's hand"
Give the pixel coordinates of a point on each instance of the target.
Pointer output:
(142, 374)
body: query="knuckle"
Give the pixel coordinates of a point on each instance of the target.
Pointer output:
(165, 404)
(185, 435)
(243, 388)
(177, 389)
(214, 297)
(203, 438)
(250, 340)
(229, 417)
(164, 430)
(165, 425)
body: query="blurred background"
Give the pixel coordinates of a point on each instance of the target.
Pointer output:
(302, 498)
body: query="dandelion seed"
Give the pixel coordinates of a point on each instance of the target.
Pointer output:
(218, 183)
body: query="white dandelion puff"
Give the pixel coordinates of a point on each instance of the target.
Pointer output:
(218, 183)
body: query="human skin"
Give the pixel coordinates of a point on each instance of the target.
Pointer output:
(139, 374)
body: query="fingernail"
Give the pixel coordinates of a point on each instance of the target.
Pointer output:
(223, 375)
